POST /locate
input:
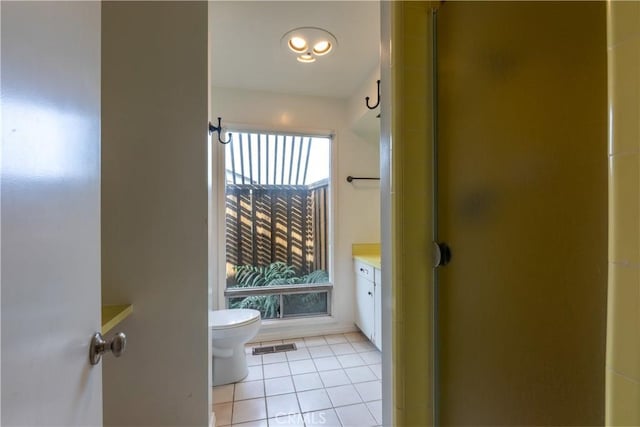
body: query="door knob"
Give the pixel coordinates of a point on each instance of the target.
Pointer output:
(441, 254)
(99, 346)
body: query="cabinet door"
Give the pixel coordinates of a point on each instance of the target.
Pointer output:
(364, 306)
(377, 311)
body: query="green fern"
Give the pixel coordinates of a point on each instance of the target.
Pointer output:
(275, 274)
(318, 276)
(268, 305)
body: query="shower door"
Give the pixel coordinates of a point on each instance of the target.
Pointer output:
(522, 204)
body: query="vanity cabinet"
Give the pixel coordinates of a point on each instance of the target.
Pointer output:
(368, 316)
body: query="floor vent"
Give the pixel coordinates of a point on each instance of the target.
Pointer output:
(273, 349)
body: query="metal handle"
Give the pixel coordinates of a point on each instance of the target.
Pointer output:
(99, 346)
(441, 254)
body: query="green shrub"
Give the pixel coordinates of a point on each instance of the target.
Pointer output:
(274, 274)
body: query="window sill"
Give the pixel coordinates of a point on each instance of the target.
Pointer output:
(236, 292)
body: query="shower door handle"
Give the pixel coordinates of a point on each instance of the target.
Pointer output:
(441, 254)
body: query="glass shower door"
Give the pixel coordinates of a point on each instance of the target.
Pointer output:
(522, 203)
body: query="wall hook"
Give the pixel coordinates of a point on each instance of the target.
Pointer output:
(218, 129)
(378, 102)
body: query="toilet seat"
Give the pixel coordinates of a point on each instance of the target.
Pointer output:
(232, 318)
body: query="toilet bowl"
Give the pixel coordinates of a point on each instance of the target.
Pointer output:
(230, 331)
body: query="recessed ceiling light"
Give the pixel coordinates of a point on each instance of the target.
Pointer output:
(322, 47)
(297, 44)
(307, 58)
(308, 43)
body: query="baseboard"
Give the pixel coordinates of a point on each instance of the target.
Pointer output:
(292, 332)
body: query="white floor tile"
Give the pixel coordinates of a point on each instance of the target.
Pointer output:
(360, 374)
(355, 416)
(344, 348)
(350, 360)
(355, 337)
(369, 391)
(249, 390)
(376, 410)
(275, 370)
(291, 420)
(320, 351)
(314, 400)
(274, 358)
(282, 405)
(223, 413)
(255, 373)
(334, 378)
(325, 418)
(342, 371)
(371, 357)
(335, 339)
(281, 385)
(260, 423)
(254, 360)
(309, 381)
(314, 341)
(223, 393)
(302, 366)
(377, 370)
(327, 363)
(301, 354)
(364, 346)
(343, 395)
(249, 410)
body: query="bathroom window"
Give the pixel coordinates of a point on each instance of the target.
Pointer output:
(277, 221)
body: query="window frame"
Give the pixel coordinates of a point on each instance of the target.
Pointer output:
(219, 177)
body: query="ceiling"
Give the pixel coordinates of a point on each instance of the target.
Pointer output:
(246, 51)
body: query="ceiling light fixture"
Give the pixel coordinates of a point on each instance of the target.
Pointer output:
(308, 43)
(297, 44)
(307, 58)
(322, 48)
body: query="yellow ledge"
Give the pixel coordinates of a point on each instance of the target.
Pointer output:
(114, 314)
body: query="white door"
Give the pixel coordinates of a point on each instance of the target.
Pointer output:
(50, 212)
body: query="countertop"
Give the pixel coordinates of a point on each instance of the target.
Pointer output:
(369, 253)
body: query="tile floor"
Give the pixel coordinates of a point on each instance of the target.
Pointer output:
(331, 380)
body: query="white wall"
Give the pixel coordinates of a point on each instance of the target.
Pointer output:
(363, 121)
(154, 210)
(356, 206)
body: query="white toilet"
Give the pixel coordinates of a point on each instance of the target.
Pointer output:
(230, 331)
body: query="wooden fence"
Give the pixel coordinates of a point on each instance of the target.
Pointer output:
(269, 223)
